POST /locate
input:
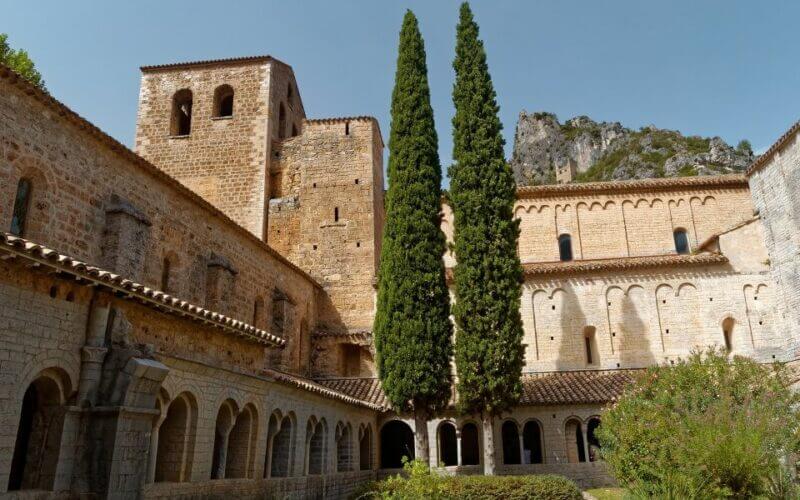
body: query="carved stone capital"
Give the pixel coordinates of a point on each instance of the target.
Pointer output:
(91, 354)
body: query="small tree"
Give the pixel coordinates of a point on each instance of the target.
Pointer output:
(488, 274)
(708, 427)
(744, 147)
(413, 332)
(19, 61)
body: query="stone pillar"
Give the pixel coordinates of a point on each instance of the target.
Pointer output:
(585, 441)
(521, 445)
(91, 368)
(458, 446)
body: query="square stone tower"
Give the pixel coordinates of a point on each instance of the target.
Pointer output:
(211, 125)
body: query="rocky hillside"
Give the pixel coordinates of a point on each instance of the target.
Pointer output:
(584, 150)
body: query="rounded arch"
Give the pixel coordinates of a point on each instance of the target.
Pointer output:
(242, 441)
(280, 444)
(592, 442)
(62, 367)
(344, 447)
(226, 417)
(176, 440)
(509, 433)
(181, 120)
(470, 443)
(365, 447)
(447, 443)
(396, 442)
(573, 437)
(728, 325)
(532, 442)
(223, 101)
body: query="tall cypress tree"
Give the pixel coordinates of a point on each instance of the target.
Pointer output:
(413, 333)
(489, 353)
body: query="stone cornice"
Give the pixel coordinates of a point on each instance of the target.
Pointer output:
(83, 273)
(535, 269)
(633, 186)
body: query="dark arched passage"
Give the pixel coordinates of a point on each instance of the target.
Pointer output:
(397, 441)
(470, 447)
(448, 447)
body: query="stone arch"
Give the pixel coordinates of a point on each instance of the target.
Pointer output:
(573, 440)
(39, 203)
(396, 442)
(532, 442)
(280, 445)
(181, 119)
(223, 101)
(226, 416)
(344, 447)
(316, 445)
(447, 444)
(592, 442)
(509, 433)
(728, 325)
(242, 441)
(176, 440)
(365, 447)
(37, 445)
(470, 444)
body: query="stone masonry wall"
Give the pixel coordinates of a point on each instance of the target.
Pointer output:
(775, 187)
(327, 217)
(75, 180)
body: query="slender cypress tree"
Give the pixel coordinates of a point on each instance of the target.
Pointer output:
(489, 353)
(413, 333)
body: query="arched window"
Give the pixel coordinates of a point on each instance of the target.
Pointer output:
(510, 435)
(175, 441)
(590, 346)
(315, 446)
(365, 448)
(258, 312)
(397, 441)
(225, 418)
(294, 130)
(470, 448)
(281, 121)
(727, 333)
(165, 271)
(21, 204)
(591, 439)
(565, 247)
(573, 434)
(448, 448)
(242, 441)
(280, 304)
(344, 447)
(223, 101)
(279, 447)
(532, 443)
(681, 241)
(36, 450)
(289, 93)
(181, 123)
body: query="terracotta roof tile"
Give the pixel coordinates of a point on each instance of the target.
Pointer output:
(646, 185)
(359, 397)
(366, 389)
(338, 119)
(574, 387)
(131, 290)
(123, 152)
(209, 62)
(782, 140)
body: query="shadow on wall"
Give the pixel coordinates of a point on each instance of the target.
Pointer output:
(571, 349)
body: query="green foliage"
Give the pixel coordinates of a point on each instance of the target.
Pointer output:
(489, 351)
(20, 62)
(421, 483)
(412, 327)
(698, 145)
(706, 428)
(744, 147)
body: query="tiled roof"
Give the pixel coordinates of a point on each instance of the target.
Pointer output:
(621, 264)
(568, 387)
(333, 391)
(339, 119)
(782, 140)
(123, 152)
(41, 255)
(365, 389)
(208, 62)
(646, 185)
(575, 387)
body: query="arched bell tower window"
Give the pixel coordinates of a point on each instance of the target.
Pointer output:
(181, 113)
(282, 122)
(21, 204)
(223, 101)
(565, 247)
(681, 241)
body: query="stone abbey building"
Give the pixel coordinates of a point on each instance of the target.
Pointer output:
(193, 319)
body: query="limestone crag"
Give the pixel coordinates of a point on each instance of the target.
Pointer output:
(547, 151)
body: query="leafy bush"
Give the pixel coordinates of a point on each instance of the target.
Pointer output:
(421, 483)
(708, 427)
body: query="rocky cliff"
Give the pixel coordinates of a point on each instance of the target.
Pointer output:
(582, 150)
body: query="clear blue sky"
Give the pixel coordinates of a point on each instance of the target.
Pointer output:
(727, 68)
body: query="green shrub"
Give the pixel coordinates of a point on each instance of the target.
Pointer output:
(709, 427)
(421, 483)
